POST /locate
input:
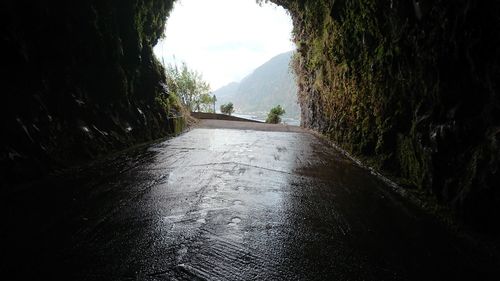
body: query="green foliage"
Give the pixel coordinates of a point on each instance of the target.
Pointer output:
(347, 56)
(274, 116)
(171, 104)
(205, 103)
(227, 108)
(150, 19)
(391, 81)
(189, 86)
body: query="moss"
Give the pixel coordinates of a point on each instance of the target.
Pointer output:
(179, 125)
(413, 164)
(405, 91)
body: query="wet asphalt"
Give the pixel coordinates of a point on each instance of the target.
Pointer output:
(226, 201)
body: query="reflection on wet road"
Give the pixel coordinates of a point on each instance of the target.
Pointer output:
(222, 204)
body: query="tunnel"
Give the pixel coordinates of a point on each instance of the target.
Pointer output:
(407, 88)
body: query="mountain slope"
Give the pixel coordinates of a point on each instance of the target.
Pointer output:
(271, 84)
(226, 93)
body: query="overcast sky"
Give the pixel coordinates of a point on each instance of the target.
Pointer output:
(225, 39)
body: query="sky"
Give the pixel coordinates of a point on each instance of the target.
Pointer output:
(225, 40)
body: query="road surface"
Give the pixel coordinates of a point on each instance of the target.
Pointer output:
(226, 201)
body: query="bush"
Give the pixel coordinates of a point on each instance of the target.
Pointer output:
(227, 108)
(274, 116)
(188, 85)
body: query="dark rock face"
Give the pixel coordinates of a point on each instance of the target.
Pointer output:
(411, 87)
(80, 79)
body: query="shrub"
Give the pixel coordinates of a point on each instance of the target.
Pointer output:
(274, 116)
(227, 108)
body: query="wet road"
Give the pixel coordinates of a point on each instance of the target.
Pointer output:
(226, 203)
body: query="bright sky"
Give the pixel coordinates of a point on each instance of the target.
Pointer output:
(225, 39)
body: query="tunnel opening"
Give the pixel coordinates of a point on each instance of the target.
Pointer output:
(410, 88)
(231, 57)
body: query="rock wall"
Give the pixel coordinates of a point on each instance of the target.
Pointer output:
(411, 87)
(80, 80)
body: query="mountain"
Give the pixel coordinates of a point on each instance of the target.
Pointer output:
(225, 94)
(270, 84)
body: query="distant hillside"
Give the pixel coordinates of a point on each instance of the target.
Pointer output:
(271, 84)
(226, 93)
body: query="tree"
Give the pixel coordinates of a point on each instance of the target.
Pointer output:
(205, 103)
(227, 108)
(189, 86)
(274, 116)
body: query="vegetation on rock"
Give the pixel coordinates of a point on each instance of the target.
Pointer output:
(412, 88)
